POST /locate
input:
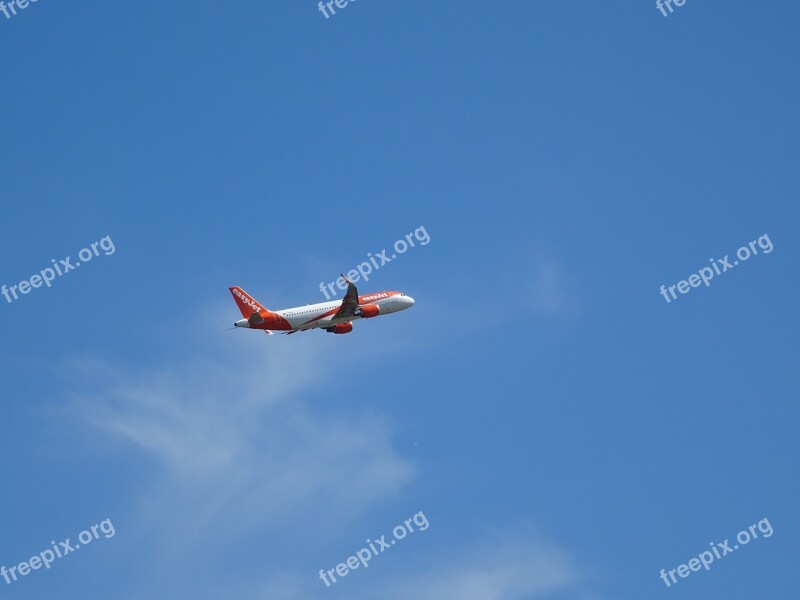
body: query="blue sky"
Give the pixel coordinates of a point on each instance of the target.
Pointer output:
(566, 431)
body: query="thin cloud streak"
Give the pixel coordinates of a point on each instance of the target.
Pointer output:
(238, 449)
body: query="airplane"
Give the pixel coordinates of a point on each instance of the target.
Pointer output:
(334, 317)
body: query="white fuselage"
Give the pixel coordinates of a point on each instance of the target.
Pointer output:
(321, 315)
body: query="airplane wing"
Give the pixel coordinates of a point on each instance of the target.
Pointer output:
(350, 302)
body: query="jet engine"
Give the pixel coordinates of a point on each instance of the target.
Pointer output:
(340, 328)
(368, 311)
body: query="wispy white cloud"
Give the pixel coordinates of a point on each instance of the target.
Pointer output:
(239, 449)
(510, 568)
(517, 566)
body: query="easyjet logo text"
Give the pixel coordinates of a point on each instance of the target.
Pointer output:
(249, 302)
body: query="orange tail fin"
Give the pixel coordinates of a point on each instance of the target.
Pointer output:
(246, 303)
